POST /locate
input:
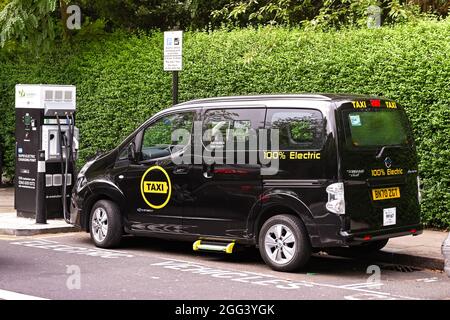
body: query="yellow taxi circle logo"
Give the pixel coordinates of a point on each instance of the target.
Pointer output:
(156, 188)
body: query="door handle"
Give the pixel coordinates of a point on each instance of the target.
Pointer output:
(207, 175)
(208, 171)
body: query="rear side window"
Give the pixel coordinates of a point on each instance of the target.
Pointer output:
(223, 127)
(377, 128)
(299, 129)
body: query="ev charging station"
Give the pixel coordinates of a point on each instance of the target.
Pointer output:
(46, 131)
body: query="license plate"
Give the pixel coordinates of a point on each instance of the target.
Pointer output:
(386, 193)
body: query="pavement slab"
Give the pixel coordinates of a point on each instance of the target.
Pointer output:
(10, 224)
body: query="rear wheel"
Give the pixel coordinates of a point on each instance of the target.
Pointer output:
(106, 224)
(284, 243)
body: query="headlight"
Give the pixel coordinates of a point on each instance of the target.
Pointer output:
(336, 201)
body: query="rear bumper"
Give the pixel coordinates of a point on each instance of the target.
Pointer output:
(373, 235)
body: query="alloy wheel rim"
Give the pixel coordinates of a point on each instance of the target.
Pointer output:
(280, 244)
(99, 224)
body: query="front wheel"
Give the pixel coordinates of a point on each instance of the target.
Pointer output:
(284, 243)
(106, 224)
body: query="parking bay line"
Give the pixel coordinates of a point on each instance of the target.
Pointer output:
(11, 295)
(303, 282)
(79, 250)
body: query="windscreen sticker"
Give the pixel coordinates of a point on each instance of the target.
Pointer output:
(156, 187)
(355, 120)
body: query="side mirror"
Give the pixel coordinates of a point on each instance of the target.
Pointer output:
(132, 152)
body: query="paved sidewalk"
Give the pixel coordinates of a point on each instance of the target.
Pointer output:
(10, 224)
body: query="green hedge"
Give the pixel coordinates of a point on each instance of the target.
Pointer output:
(120, 82)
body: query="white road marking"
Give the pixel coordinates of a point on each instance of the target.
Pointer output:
(363, 285)
(368, 296)
(293, 284)
(11, 295)
(56, 246)
(427, 280)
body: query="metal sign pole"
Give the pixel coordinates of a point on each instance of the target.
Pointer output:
(174, 87)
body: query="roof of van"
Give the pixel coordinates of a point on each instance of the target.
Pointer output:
(320, 97)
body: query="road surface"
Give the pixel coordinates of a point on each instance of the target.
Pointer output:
(69, 266)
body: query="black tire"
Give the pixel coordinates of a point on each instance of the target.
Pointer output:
(113, 224)
(301, 248)
(359, 250)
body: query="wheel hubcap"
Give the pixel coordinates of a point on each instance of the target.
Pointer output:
(99, 224)
(280, 244)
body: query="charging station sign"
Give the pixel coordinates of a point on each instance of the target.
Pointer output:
(173, 50)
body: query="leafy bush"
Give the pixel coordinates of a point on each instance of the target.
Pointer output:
(120, 82)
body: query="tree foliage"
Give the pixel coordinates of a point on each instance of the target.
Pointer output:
(28, 21)
(319, 14)
(256, 12)
(37, 22)
(151, 14)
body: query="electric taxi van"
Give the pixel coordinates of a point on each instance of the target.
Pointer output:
(345, 177)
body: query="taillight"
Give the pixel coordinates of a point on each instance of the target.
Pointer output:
(336, 201)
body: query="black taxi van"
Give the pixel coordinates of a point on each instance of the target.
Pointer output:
(345, 176)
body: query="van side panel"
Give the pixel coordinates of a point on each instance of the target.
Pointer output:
(305, 170)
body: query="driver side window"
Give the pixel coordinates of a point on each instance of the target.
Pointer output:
(157, 140)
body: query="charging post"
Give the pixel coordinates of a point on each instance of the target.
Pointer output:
(46, 150)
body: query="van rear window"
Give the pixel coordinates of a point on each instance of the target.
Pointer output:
(377, 127)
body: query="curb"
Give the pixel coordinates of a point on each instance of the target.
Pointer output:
(23, 232)
(410, 260)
